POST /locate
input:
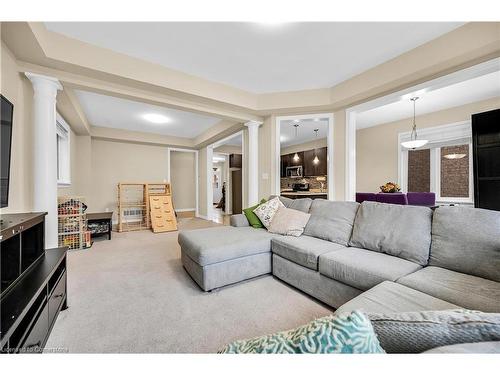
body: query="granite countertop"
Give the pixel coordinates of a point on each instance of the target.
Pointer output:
(285, 192)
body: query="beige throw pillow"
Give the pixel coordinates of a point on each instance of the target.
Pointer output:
(289, 222)
(266, 211)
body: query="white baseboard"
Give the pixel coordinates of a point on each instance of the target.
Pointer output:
(184, 209)
(202, 217)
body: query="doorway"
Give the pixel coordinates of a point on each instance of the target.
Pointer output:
(226, 186)
(304, 156)
(376, 130)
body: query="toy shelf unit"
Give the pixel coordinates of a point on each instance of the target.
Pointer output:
(132, 207)
(134, 210)
(72, 225)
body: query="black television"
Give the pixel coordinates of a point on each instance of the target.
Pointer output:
(6, 113)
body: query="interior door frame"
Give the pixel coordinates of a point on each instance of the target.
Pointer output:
(209, 167)
(330, 150)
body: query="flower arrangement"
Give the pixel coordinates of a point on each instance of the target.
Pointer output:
(390, 187)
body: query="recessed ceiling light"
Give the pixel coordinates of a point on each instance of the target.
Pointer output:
(156, 118)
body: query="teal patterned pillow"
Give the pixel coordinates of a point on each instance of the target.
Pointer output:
(352, 333)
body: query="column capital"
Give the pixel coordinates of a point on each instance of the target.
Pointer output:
(253, 124)
(39, 79)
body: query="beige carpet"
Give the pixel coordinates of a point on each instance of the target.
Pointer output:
(131, 294)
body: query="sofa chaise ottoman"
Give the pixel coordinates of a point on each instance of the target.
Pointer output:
(227, 255)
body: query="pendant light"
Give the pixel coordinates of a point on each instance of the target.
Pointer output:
(316, 159)
(296, 125)
(454, 156)
(414, 142)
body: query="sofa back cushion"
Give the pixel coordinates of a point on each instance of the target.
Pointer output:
(402, 231)
(331, 220)
(301, 204)
(467, 240)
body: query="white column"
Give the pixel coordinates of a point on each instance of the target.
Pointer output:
(44, 152)
(253, 163)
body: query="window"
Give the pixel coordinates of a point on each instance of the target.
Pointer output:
(419, 170)
(443, 167)
(454, 172)
(63, 152)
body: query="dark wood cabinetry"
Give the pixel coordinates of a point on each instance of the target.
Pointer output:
(315, 169)
(486, 154)
(34, 291)
(235, 161)
(306, 161)
(236, 189)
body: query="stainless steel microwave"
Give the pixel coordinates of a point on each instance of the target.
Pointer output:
(294, 171)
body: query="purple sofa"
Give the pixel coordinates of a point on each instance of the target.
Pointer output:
(421, 199)
(361, 197)
(412, 199)
(394, 198)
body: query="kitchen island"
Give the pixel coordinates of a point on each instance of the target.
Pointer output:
(304, 194)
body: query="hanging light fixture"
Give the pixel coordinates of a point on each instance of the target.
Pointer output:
(414, 142)
(296, 126)
(454, 156)
(316, 159)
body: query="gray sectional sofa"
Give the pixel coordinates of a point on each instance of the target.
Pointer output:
(376, 257)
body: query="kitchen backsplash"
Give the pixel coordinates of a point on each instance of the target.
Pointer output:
(286, 183)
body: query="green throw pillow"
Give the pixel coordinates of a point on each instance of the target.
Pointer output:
(251, 217)
(351, 333)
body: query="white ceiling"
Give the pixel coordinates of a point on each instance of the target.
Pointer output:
(469, 91)
(237, 140)
(260, 57)
(111, 112)
(305, 131)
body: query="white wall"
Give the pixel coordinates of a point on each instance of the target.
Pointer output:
(114, 162)
(18, 90)
(183, 179)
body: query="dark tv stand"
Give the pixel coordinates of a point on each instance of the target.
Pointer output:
(33, 284)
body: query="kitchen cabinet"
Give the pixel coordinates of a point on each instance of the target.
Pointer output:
(319, 169)
(288, 161)
(235, 161)
(306, 161)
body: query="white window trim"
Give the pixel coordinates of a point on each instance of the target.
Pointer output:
(65, 181)
(459, 131)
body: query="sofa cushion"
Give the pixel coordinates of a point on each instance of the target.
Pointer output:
(389, 297)
(331, 221)
(301, 204)
(401, 231)
(266, 211)
(418, 331)
(351, 333)
(363, 269)
(466, 240)
(468, 291)
(486, 347)
(213, 245)
(303, 250)
(289, 222)
(253, 219)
